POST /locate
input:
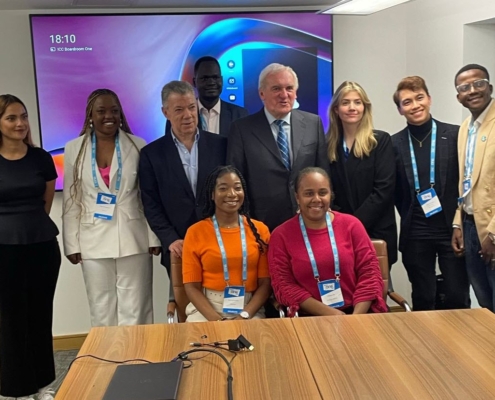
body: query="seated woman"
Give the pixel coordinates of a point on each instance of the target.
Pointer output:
(224, 262)
(323, 262)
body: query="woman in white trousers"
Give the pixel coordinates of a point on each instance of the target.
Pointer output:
(104, 228)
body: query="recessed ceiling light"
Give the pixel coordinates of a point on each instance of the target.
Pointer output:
(362, 7)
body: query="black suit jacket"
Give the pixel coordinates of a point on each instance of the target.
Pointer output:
(446, 164)
(228, 113)
(253, 150)
(169, 202)
(365, 188)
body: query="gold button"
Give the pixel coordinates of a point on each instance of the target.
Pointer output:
(489, 211)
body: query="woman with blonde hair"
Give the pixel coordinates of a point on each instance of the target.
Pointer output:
(104, 227)
(362, 165)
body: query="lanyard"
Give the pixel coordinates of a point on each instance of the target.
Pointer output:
(468, 167)
(310, 250)
(93, 161)
(432, 158)
(224, 254)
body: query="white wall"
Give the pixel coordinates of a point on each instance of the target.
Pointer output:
(424, 37)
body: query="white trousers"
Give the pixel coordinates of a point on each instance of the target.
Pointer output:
(120, 290)
(216, 300)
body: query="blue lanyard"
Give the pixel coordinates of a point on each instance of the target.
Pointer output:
(93, 161)
(346, 149)
(433, 151)
(310, 250)
(469, 165)
(224, 254)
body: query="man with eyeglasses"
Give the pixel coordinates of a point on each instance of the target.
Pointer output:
(215, 115)
(474, 222)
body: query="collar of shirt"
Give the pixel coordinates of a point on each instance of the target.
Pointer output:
(179, 144)
(216, 108)
(483, 115)
(271, 119)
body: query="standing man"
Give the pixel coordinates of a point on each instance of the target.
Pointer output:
(173, 169)
(474, 223)
(426, 198)
(273, 145)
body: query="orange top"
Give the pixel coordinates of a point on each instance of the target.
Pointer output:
(202, 261)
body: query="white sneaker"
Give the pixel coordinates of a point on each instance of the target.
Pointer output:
(46, 394)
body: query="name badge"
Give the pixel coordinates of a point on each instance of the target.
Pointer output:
(429, 202)
(105, 206)
(331, 293)
(233, 299)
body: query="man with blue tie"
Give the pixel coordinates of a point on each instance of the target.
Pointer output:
(273, 145)
(474, 222)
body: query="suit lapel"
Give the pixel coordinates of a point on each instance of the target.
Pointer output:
(174, 162)
(405, 152)
(263, 132)
(484, 136)
(342, 169)
(225, 118)
(443, 143)
(203, 169)
(297, 127)
(125, 146)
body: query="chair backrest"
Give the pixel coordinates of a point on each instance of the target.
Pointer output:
(181, 299)
(382, 255)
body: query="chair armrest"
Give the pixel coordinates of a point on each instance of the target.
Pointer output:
(397, 298)
(171, 307)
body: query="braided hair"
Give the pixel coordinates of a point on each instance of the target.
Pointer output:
(87, 131)
(209, 207)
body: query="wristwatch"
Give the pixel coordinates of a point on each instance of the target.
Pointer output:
(491, 236)
(244, 314)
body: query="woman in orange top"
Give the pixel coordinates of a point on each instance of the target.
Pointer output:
(224, 263)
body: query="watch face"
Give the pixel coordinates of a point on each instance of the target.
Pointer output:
(244, 314)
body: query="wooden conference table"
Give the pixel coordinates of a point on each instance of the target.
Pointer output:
(423, 355)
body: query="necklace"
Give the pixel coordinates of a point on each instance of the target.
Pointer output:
(420, 141)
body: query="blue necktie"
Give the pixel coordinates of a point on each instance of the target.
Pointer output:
(204, 123)
(283, 144)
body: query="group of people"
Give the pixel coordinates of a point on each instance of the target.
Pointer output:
(253, 204)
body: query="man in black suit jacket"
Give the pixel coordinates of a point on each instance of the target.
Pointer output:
(173, 169)
(214, 115)
(255, 144)
(423, 239)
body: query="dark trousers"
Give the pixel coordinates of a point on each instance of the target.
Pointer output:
(28, 276)
(481, 275)
(419, 258)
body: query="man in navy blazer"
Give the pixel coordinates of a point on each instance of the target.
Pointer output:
(214, 114)
(423, 237)
(273, 145)
(174, 168)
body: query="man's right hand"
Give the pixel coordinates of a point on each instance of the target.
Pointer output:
(75, 258)
(458, 242)
(176, 248)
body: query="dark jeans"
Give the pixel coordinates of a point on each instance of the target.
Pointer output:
(481, 276)
(419, 258)
(28, 276)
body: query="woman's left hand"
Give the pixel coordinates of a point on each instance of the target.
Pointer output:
(155, 251)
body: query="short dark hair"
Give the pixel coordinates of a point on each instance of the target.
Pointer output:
(470, 67)
(412, 83)
(205, 59)
(310, 170)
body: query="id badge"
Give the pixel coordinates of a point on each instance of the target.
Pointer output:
(105, 206)
(466, 187)
(331, 293)
(429, 202)
(233, 299)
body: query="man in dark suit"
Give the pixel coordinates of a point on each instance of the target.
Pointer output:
(273, 145)
(214, 115)
(427, 169)
(173, 169)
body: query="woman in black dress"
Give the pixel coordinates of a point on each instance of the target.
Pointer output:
(29, 258)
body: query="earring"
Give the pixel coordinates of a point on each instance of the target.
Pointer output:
(91, 123)
(121, 124)
(298, 211)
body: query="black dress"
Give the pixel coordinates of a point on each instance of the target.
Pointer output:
(29, 266)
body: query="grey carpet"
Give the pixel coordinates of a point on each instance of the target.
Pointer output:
(62, 360)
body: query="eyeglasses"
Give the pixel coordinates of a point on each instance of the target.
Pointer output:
(479, 84)
(206, 78)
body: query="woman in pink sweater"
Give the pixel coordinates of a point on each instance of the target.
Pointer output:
(323, 262)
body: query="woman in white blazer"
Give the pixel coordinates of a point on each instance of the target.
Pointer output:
(104, 228)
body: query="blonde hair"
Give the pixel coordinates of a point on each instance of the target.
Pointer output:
(86, 131)
(365, 140)
(7, 100)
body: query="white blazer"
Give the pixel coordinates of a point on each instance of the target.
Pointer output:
(128, 232)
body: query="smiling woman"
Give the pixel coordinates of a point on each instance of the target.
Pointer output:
(225, 270)
(104, 227)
